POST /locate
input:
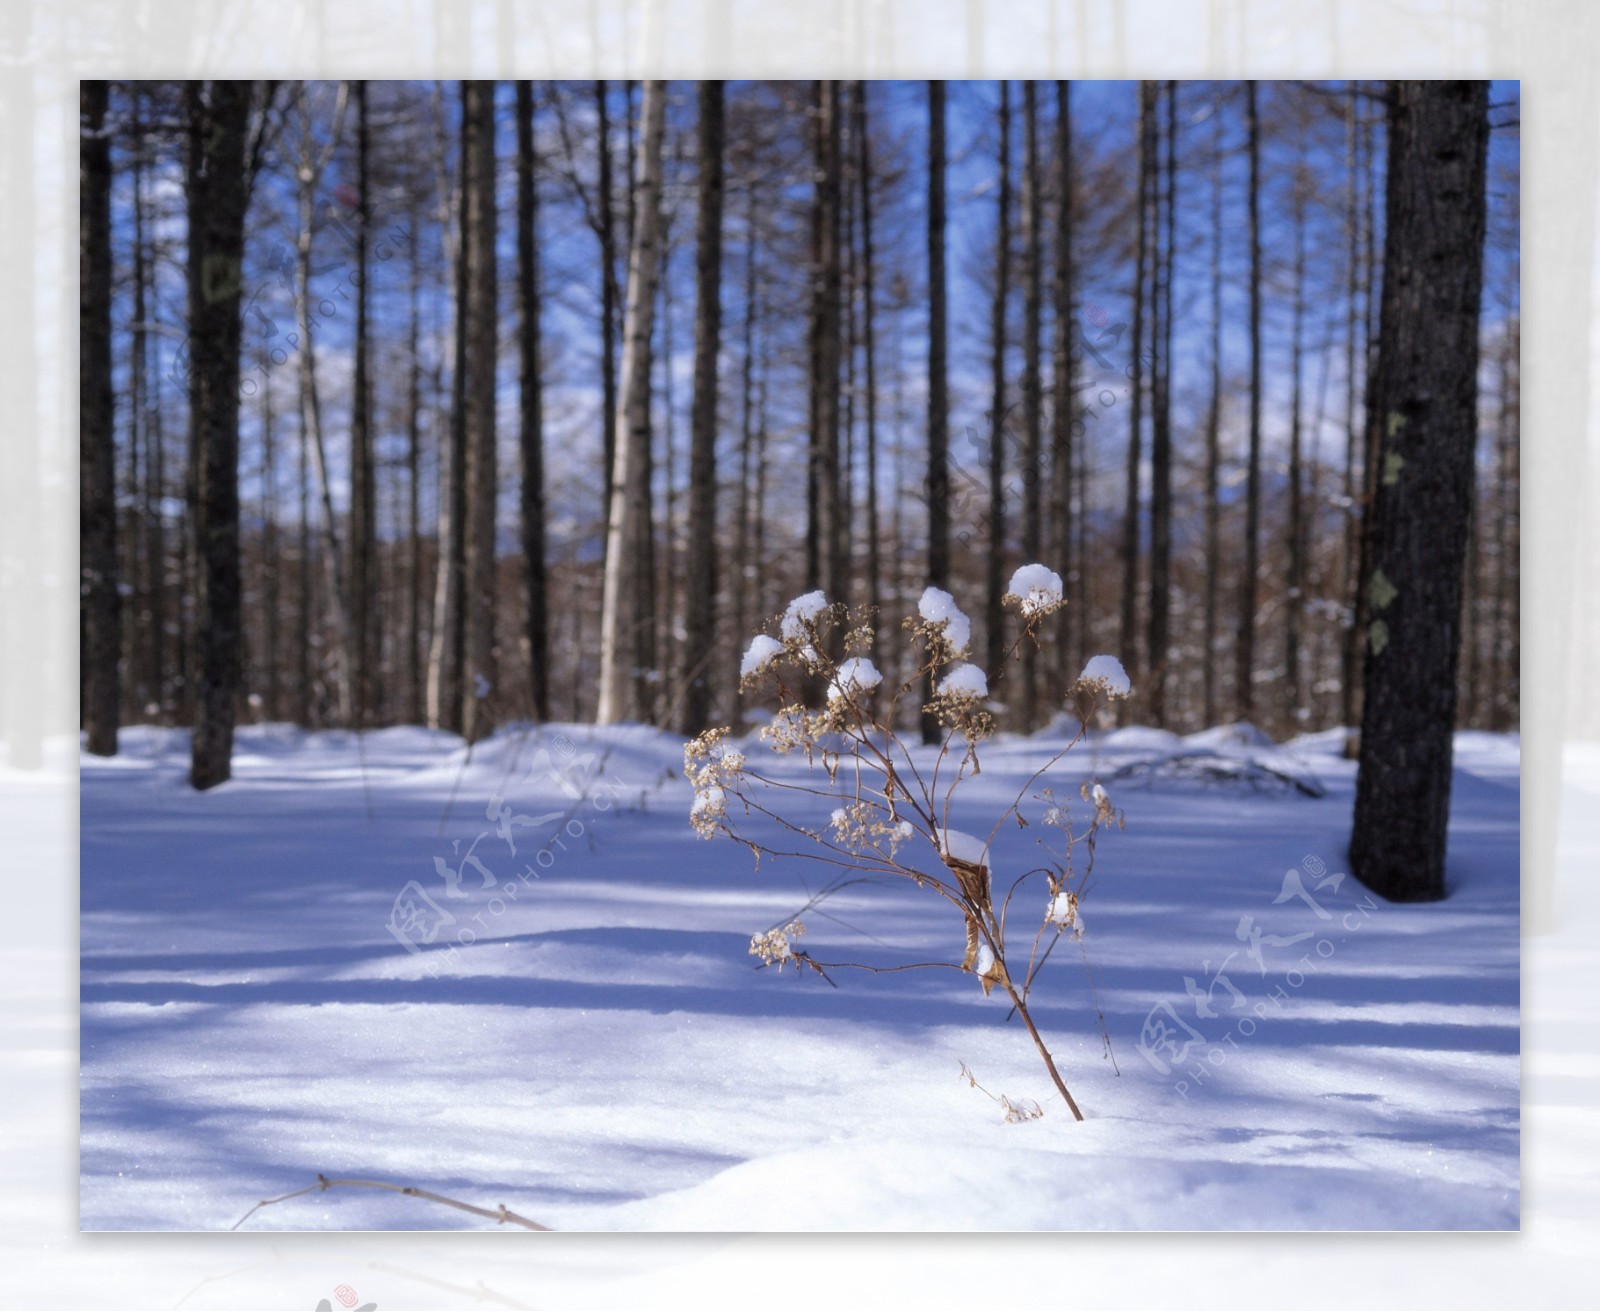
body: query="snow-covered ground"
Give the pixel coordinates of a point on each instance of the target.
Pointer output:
(600, 1051)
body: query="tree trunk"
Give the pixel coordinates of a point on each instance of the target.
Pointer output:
(702, 570)
(608, 300)
(995, 610)
(1294, 602)
(629, 516)
(938, 479)
(363, 480)
(100, 607)
(216, 246)
(478, 692)
(1130, 512)
(1063, 418)
(1350, 649)
(1427, 396)
(869, 359)
(743, 570)
(1244, 699)
(270, 560)
(1161, 414)
(1214, 444)
(825, 566)
(1032, 419)
(310, 173)
(1506, 670)
(412, 670)
(531, 425)
(1372, 424)
(659, 607)
(304, 608)
(446, 656)
(149, 632)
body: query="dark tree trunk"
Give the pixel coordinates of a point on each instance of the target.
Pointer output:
(869, 357)
(311, 164)
(1245, 647)
(100, 605)
(304, 604)
(744, 569)
(1130, 511)
(531, 425)
(659, 615)
(937, 488)
(363, 480)
(478, 692)
(270, 559)
(825, 566)
(155, 481)
(217, 205)
(994, 610)
(608, 301)
(1506, 670)
(1032, 418)
(1063, 418)
(1214, 447)
(702, 569)
(412, 669)
(1294, 602)
(149, 631)
(1165, 206)
(447, 651)
(1350, 648)
(1372, 424)
(1427, 394)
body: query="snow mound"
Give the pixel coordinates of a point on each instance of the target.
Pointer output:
(1241, 734)
(938, 607)
(1141, 738)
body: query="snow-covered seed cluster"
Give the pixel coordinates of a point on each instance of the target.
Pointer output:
(758, 656)
(714, 769)
(964, 680)
(958, 702)
(792, 727)
(1037, 591)
(775, 946)
(1064, 912)
(944, 623)
(1105, 674)
(802, 615)
(861, 825)
(1096, 796)
(855, 678)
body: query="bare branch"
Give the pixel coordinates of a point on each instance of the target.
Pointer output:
(502, 1215)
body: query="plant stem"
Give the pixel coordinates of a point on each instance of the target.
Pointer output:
(1049, 1062)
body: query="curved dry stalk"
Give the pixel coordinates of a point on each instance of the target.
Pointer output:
(501, 1214)
(849, 735)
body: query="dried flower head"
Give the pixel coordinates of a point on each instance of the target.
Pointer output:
(774, 946)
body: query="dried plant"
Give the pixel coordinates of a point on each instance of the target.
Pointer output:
(892, 805)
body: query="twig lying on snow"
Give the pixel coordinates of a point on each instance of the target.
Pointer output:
(500, 1214)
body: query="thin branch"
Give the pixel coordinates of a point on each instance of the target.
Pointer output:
(501, 1214)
